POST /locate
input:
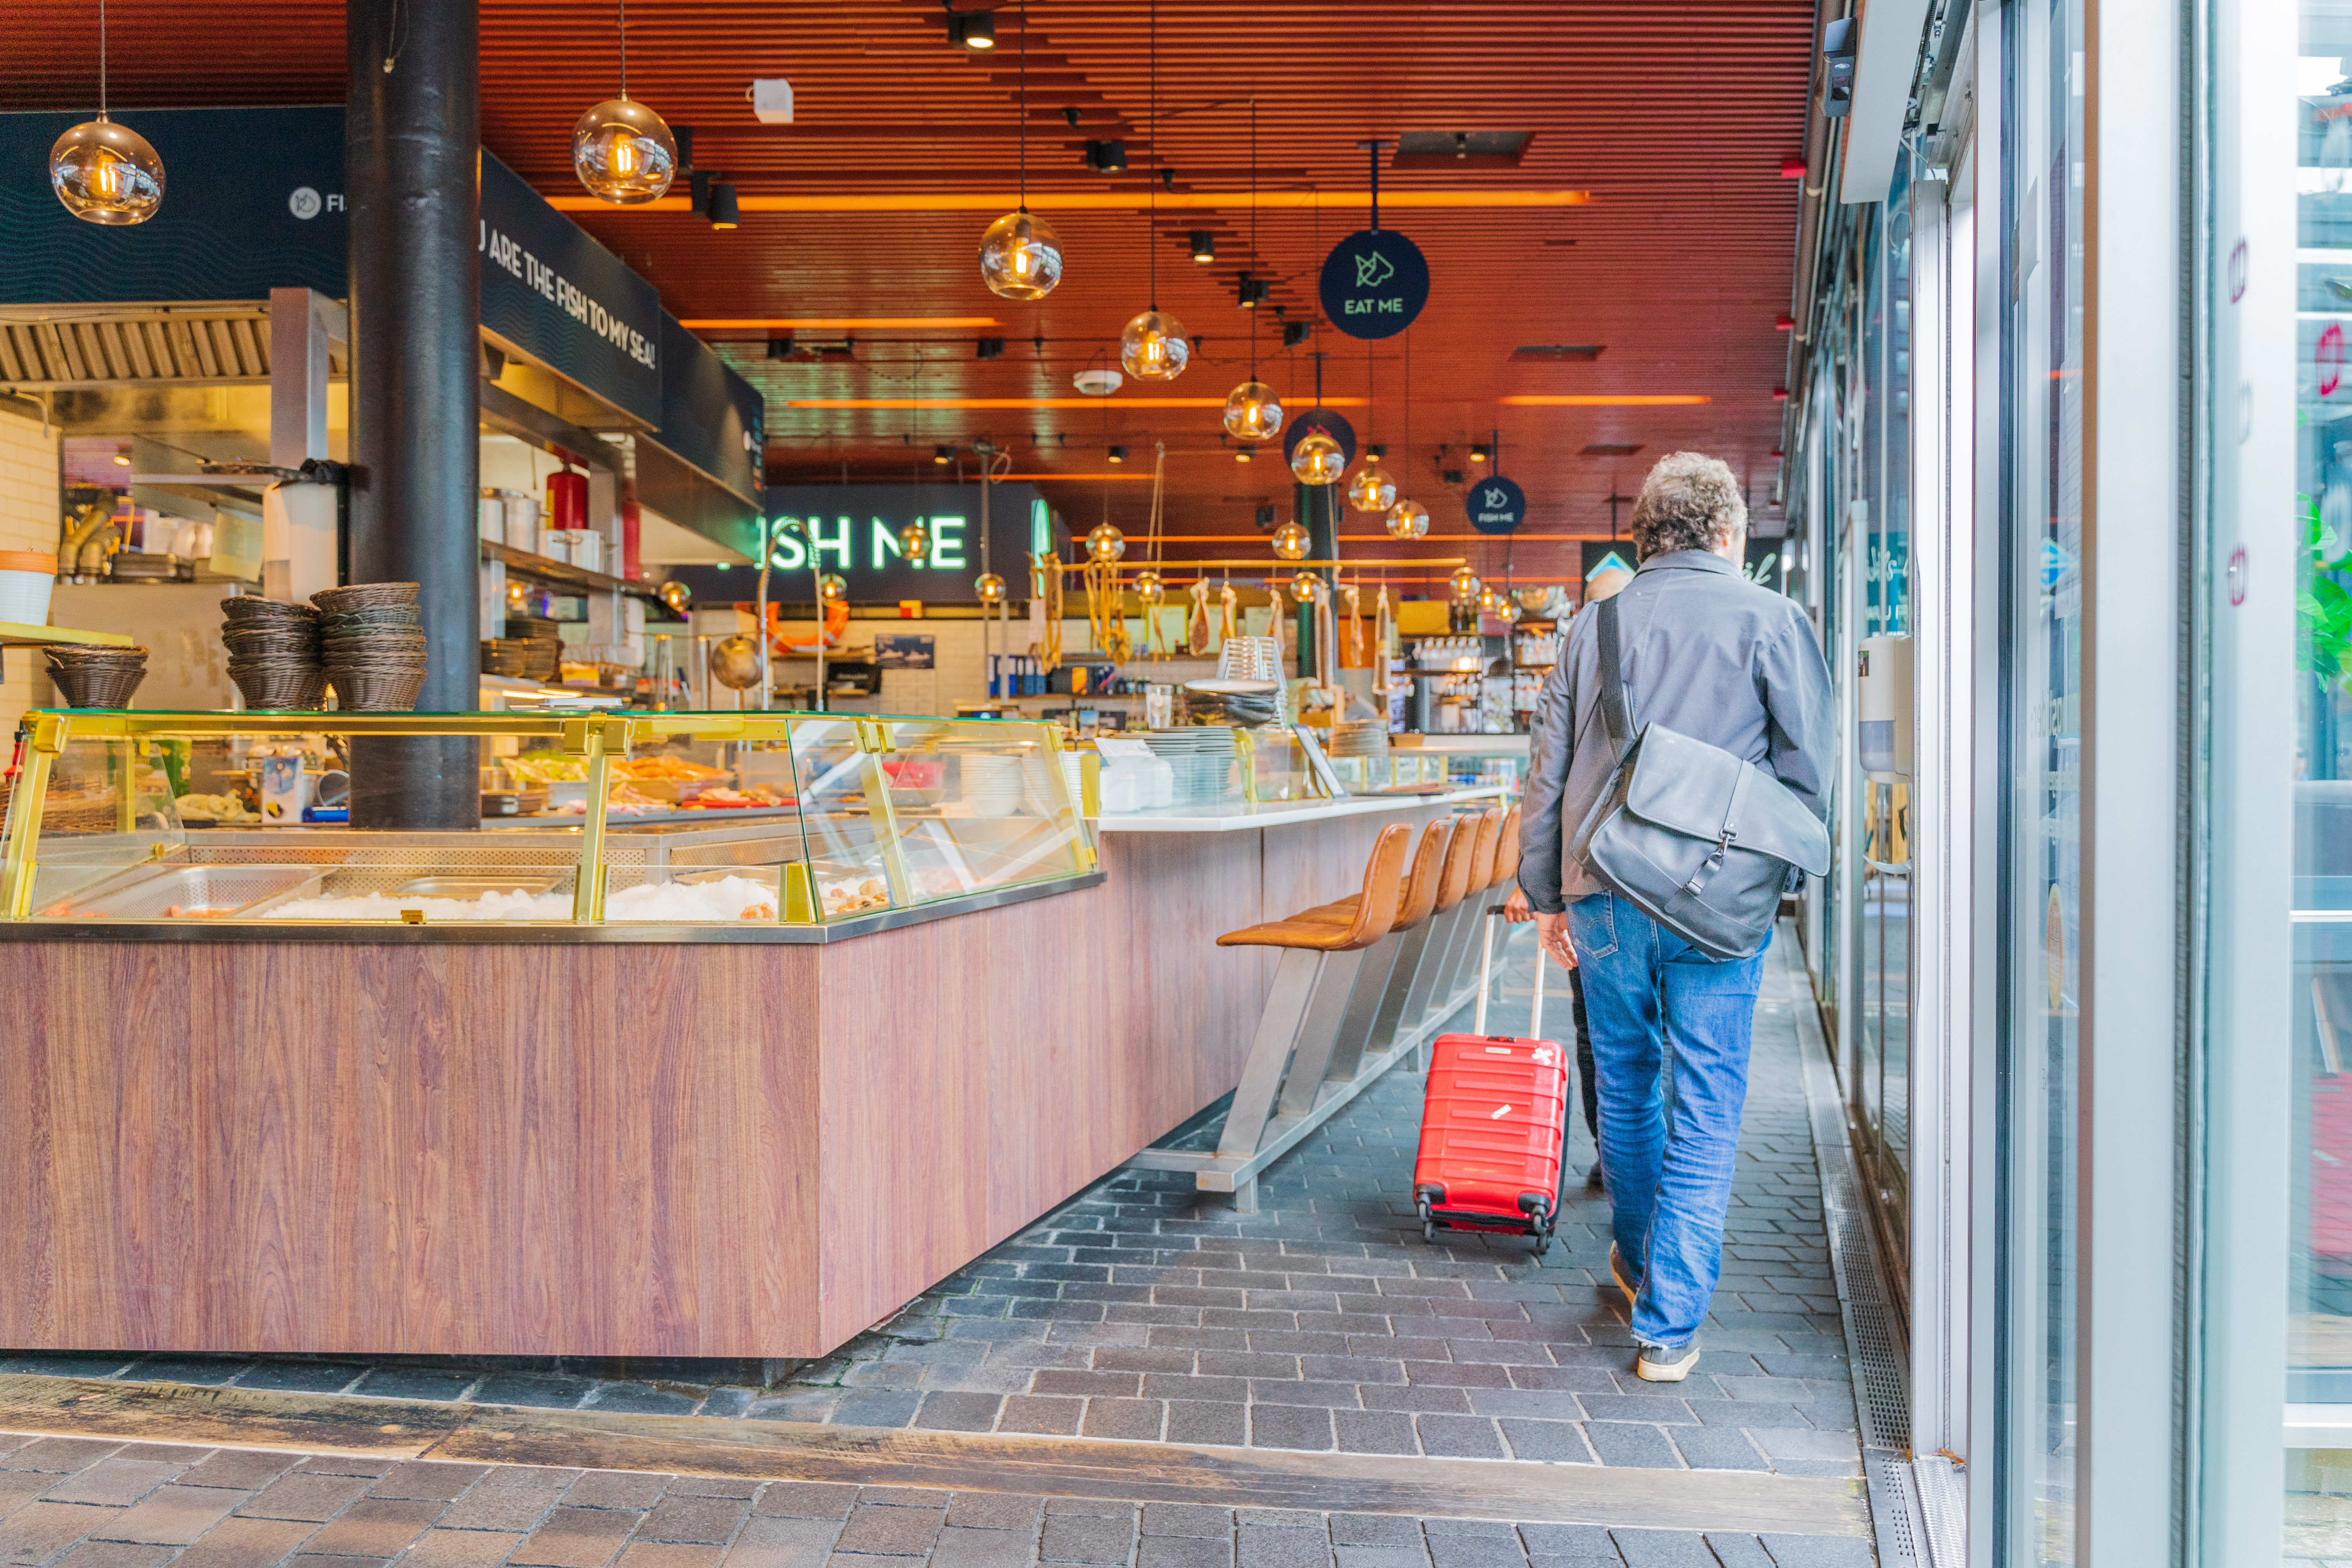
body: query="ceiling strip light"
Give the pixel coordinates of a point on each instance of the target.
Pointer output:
(823, 323)
(1105, 201)
(1601, 400)
(988, 403)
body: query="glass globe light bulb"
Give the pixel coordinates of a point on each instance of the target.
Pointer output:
(1490, 598)
(1317, 459)
(1303, 585)
(624, 153)
(1291, 541)
(1149, 588)
(105, 173)
(915, 541)
(1021, 256)
(1253, 412)
(1408, 519)
(1465, 585)
(1371, 490)
(990, 587)
(1104, 543)
(1508, 610)
(831, 587)
(1154, 347)
(675, 594)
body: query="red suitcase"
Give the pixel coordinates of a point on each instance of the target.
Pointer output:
(1494, 1127)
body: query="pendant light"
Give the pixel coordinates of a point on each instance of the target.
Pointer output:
(1317, 459)
(1408, 519)
(915, 541)
(1104, 543)
(1371, 490)
(1020, 256)
(833, 587)
(1150, 588)
(621, 149)
(1253, 410)
(1463, 585)
(1291, 541)
(1154, 347)
(105, 173)
(1303, 586)
(990, 587)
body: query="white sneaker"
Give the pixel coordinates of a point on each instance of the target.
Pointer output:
(1657, 1363)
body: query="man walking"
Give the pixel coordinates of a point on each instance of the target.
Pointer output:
(1720, 660)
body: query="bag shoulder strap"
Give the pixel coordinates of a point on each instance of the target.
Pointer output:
(1612, 679)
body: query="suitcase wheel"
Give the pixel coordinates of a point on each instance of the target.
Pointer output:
(1429, 1231)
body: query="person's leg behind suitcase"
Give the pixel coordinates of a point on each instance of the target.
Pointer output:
(1589, 1082)
(1617, 953)
(1710, 1011)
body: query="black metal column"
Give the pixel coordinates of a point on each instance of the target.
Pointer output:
(413, 138)
(1317, 507)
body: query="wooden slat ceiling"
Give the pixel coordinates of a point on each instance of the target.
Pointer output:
(1674, 120)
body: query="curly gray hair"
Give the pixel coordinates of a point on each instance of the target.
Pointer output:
(1690, 501)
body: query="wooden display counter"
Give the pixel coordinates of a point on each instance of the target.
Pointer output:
(648, 1144)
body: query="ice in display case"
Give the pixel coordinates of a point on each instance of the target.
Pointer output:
(795, 819)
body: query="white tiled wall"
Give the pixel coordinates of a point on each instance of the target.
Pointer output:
(29, 521)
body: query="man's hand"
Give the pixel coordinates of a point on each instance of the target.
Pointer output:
(1515, 909)
(1551, 934)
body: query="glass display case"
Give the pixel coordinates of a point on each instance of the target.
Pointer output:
(661, 818)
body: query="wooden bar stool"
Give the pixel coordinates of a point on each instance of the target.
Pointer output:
(1386, 966)
(1435, 998)
(1394, 1023)
(1322, 955)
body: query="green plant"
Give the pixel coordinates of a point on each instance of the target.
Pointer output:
(2323, 602)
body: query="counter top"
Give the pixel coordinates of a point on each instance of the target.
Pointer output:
(1513, 745)
(1278, 813)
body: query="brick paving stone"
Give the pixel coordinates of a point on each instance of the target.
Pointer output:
(375, 1527)
(1031, 1412)
(1664, 1549)
(344, 1465)
(877, 1408)
(460, 1548)
(427, 1383)
(1476, 1552)
(782, 1542)
(1196, 1421)
(1716, 1449)
(1101, 1508)
(1374, 1432)
(614, 1488)
(576, 1538)
(1788, 1443)
(740, 1487)
(668, 1555)
(643, 1399)
(962, 1548)
(1631, 1443)
(947, 1411)
(1185, 1551)
(116, 1554)
(39, 1531)
(116, 1481)
(1551, 1442)
(493, 1505)
(695, 1520)
(1459, 1436)
(1820, 1552)
(538, 1390)
(305, 1496)
(1290, 1546)
(1135, 1420)
(1567, 1541)
(431, 1479)
(248, 1544)
(1201, 1520)
(1740, 1551)
(1084, 1538)
(890, 1531)
(59, 1455)
(805, 1500)
(302, 1376)
(1290, 1426)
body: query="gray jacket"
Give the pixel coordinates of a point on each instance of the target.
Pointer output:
(1705, 652)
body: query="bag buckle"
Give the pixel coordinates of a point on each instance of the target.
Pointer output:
(1711, 865)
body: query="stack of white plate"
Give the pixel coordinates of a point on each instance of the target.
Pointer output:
(991, 786)
(1203, 759)
(1360, 738)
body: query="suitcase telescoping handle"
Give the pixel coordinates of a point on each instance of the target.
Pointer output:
(1485, 980)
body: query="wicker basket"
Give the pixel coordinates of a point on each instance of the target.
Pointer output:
(378, 690)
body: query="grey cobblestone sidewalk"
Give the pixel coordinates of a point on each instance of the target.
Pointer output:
(1140, 1310)
(80, 1503)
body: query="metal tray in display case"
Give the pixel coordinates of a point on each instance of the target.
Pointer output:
(177, 892)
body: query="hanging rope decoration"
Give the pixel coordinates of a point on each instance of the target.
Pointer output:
(1199, 636)
(1045, 609)
(1106, 609)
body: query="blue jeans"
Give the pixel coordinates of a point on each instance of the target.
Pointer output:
(1670, 1036)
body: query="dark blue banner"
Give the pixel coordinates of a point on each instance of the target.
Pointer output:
(253, 200)
(711, 416)
(552, 291)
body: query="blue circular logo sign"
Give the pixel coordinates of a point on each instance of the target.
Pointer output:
(1374, 283)
(1495, 505)
(1321, 419)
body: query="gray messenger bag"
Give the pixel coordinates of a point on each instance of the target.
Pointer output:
(1700, 840)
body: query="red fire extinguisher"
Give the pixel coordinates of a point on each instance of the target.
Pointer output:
(567, 500)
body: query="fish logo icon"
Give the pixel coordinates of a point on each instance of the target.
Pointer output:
(1496, 498)
(1373, 271)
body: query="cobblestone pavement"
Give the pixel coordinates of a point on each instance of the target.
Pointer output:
(81, 1503)
(1325, 1323)
(1139, 1310)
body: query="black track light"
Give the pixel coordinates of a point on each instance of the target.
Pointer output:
(977, 31)
(989, 348)
(1266, 517)
(1105, 156)
(1119, 454)
(1377, 449)
(1479, 453)
(1204, 246)
(780, 348)
(1251, 292)
(943, 456)
(723, 210)
(1294, 333)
